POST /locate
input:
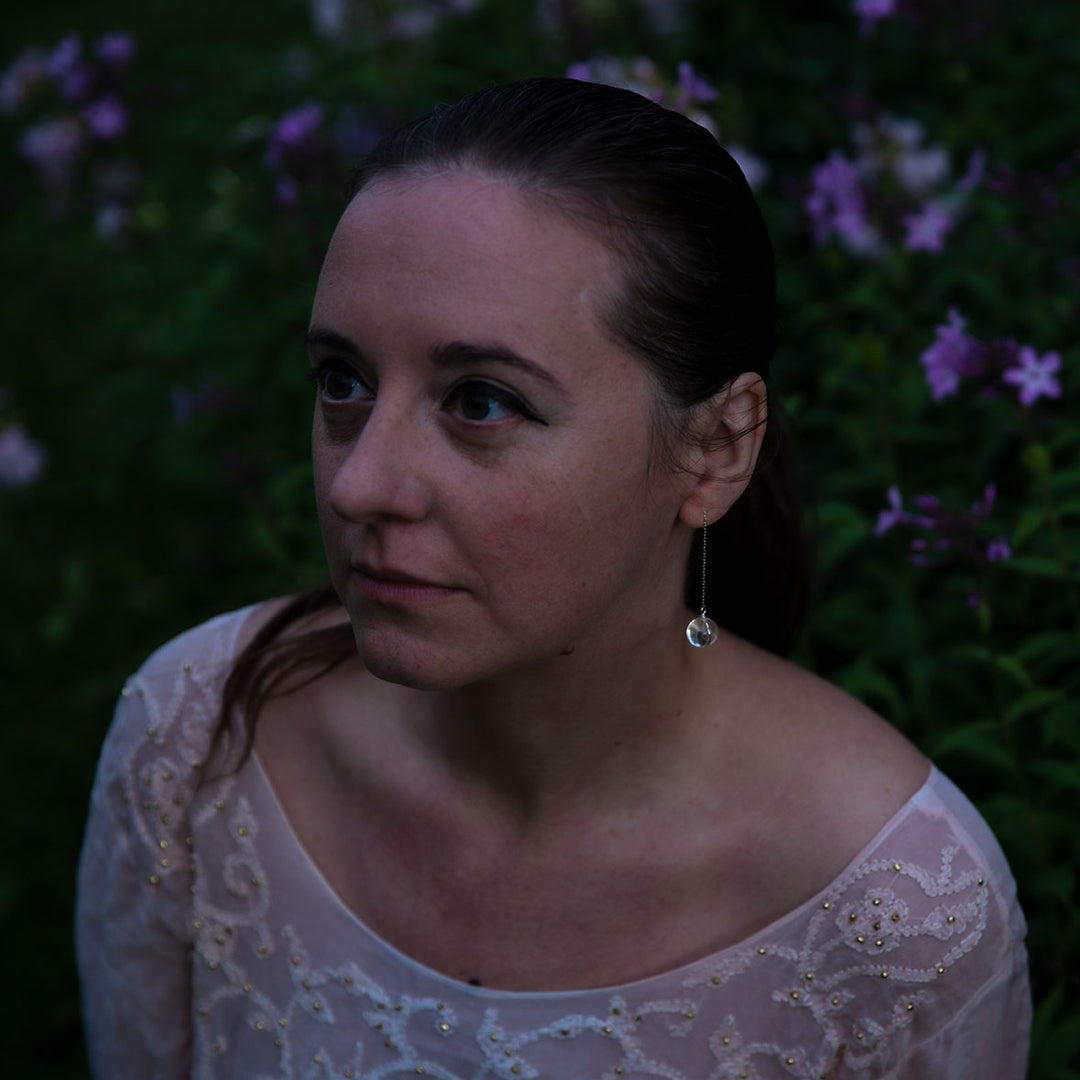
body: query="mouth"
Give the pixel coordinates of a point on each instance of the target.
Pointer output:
(391, 585)
(390, 575)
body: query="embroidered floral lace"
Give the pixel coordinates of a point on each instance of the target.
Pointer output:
(210, 946)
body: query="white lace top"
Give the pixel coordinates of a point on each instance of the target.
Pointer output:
(210, 946)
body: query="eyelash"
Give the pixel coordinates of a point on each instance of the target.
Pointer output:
(322, 371)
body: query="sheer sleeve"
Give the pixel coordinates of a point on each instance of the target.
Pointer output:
(134, 923)
(989, 1037)
(132, 953)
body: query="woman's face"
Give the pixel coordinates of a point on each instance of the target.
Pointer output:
(488, 490)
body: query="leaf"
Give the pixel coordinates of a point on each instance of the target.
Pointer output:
(1064, 774)
(1010, 665)
(1036, 566)
(841, 527)
(980, 739)
(266, 540)
(1046, 1015)
(1068, 508)
(868, 683)
(1061, 728)
(1054, 1039)
(1064, 478)
(1036, 457)
(1051, 644)
(1055, 881)
(1032, 700)
(1031, 520)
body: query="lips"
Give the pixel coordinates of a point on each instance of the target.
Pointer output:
(391, 576)
(390, 585)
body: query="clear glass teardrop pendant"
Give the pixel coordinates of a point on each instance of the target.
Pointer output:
(701, 631)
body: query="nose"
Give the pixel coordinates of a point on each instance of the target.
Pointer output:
(381, 474)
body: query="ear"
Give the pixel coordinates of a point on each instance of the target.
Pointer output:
(730, 430)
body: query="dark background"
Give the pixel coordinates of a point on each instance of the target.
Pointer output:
(157, 362)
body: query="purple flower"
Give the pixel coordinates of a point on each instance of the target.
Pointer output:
(894, 515)
(53, 147)
(952, 356)
(286, 192)
(106, 118)
(297, 125)
(68, 70)
(834, 181)
(65, 57)
(1034, 375)
(116, 49)
(975, 172)
(644, 77)
(891, 145)
(898, 135)
(871, 12)
(29, 72)
(919, 170)
(294, 132)
(21, 459)
(77, 85)
(980, 508)
(693, 89)
(836, 204)
(926, 229)
(896, 190)
(950, 537)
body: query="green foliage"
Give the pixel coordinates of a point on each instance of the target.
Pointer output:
(161, 368)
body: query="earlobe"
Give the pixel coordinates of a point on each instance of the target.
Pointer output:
(732, 429)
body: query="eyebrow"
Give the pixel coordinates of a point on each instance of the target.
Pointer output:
(456, 353)
(331, 339)
(450, 354)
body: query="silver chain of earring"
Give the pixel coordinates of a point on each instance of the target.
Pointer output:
(702, 631)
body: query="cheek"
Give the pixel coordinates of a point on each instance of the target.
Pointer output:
(544, 542)
(325, 464)
(322, 475)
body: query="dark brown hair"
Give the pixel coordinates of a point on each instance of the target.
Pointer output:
(697, 306)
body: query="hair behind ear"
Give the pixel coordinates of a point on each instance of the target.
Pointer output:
(759, 573)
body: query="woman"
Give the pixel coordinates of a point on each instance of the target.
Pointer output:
(498, 816)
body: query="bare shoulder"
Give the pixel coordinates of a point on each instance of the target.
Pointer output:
(849, 742)
(831, 769)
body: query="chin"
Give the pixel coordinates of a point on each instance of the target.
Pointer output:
(404, 661)
(427, 663)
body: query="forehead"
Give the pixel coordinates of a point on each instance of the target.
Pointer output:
(467, 240)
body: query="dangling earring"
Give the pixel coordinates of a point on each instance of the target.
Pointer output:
(702, 631)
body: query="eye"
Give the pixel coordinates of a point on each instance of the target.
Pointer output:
(338, 383)
(483, 402)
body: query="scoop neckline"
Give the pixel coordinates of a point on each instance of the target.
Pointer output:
(679, 974)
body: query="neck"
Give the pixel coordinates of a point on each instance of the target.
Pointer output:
(596, 726)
